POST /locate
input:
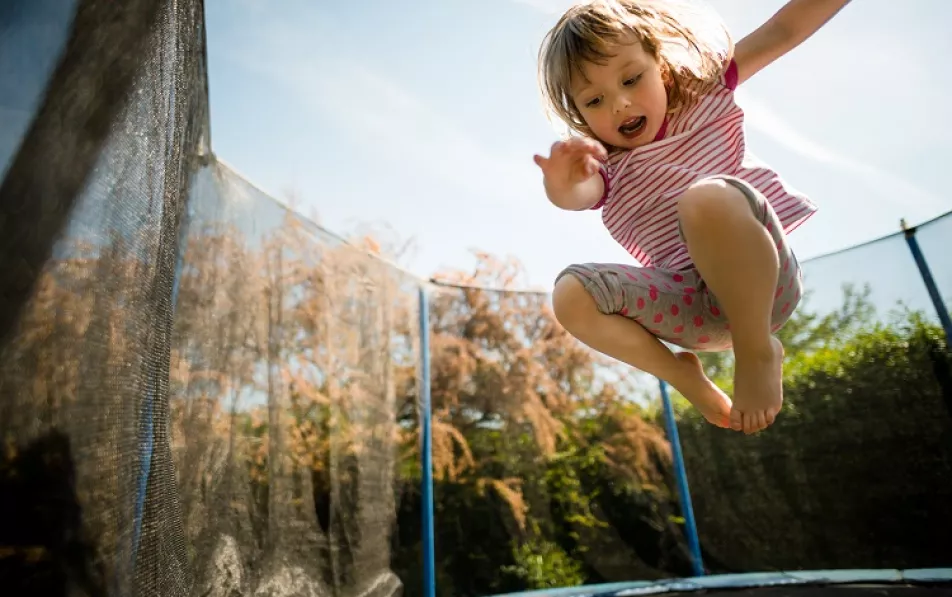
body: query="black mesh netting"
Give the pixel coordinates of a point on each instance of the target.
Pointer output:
(292, 399)
(104, 111)
(204, 394)
(200, 392)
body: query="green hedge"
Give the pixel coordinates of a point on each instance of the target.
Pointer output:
(857, 472)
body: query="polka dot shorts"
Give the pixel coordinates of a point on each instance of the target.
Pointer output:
(677, 306)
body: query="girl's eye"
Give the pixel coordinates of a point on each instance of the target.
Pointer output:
(593, 103)
(632, 80)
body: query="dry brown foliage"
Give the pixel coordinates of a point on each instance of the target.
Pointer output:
(293, 377)
(501, 360)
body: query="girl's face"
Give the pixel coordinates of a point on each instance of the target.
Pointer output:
(623, 101)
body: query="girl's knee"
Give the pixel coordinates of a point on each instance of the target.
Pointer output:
(711, 199)
(570, 300)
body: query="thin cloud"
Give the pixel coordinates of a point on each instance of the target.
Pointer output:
(882, 184)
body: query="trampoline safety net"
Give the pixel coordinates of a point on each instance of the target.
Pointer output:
(202, 393)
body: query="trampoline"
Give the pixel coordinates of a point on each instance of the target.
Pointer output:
(203, 393)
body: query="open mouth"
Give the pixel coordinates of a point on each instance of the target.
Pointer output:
(633, 127)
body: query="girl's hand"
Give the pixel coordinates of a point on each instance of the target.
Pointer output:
(571, 163)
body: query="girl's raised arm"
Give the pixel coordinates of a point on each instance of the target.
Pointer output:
(785, 30)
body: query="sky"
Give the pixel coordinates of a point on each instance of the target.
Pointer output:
(423, 116)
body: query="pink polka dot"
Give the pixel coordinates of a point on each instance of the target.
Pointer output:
(631, 277)
(715, 311)
(786, 265)
(645, 275)
(779, 292)
(679, 329)
(653, 293)
(703, 340)
(675, 339)
(668, 286)
(675, 310)
(775, 327)
(779, 245)
(641, 303)
(785, 308)
(655, 332)
(689, 290)
(677, 278)
(688, 299)
(624, 311)
(769, 226)
(698, 321)
(659, 317)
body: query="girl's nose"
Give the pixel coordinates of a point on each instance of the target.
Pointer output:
(621, 104)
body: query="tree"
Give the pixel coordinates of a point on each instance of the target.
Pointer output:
(806, 331)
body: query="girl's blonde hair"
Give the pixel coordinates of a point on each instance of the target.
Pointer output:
(677, 33)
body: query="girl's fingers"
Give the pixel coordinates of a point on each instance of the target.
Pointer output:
(580, 154)
(588, 147)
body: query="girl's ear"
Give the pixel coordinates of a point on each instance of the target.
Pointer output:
(666, 75)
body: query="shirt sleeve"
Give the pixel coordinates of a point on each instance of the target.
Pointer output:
(730, 75)
(601, 202)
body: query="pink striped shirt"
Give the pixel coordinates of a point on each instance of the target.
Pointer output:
(642, 185)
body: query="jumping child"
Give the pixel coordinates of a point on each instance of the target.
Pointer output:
(660, 150)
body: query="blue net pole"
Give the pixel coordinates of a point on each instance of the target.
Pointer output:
(429, 552)
(926, 273)
(690, 526)
(147, 441)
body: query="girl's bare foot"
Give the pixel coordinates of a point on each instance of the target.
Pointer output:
(701, 391)
(758, 388)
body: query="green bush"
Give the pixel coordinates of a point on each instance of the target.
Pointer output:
(854, 473)
(542, 564)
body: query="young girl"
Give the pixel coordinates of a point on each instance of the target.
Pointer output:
(660, 150)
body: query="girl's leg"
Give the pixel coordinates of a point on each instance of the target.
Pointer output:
(738, 259)
(621, 338)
